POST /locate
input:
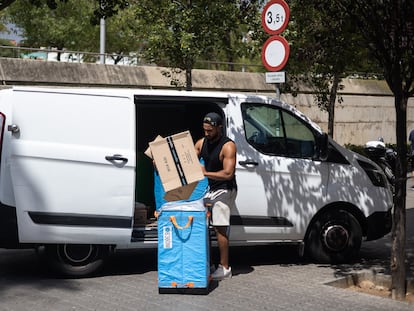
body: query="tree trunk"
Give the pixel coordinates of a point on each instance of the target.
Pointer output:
(398, 235)
(331, 107)
(59, 54)
(188, 76)
(229, 52)
(117, 59)
(189, 63)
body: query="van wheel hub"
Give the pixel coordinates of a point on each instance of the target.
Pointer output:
(76, 253)
(77, 260)
(335, 237)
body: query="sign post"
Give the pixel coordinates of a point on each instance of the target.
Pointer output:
(275, 51)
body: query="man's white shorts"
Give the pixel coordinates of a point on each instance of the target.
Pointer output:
(222, 201)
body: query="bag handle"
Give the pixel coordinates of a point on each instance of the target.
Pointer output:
(174, 221)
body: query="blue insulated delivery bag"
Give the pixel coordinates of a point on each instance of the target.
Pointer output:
(183, 248)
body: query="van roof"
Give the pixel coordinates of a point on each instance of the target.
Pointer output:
(128, 91)
(131, 92)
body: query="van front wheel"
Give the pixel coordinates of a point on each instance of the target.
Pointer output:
(335, 237)
(77, 260)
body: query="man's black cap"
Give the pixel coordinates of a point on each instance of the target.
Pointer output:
(213, 119)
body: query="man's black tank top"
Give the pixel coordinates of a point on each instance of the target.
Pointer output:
(210, 152)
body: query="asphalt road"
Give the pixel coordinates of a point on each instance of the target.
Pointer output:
(265, 278)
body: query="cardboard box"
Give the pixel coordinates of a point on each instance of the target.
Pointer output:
(177, 164)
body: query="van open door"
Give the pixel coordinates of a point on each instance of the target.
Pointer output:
(72, 166)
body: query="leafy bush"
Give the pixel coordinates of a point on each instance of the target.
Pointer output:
(356, 148)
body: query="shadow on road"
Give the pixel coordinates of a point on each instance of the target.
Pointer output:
(243, 259)
(375, 255)
(25, 267)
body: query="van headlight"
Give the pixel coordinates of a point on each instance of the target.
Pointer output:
(376, 175)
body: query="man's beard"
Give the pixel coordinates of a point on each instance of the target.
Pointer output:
(212, 139)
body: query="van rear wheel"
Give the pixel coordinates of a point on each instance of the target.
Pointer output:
(77, 260)
(335, 237)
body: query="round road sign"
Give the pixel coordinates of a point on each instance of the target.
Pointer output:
(275, 16)
(275, 53)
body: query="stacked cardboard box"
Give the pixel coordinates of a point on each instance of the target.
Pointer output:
(177, 164)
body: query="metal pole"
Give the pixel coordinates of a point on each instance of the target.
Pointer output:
(102, 41)
(277, 91)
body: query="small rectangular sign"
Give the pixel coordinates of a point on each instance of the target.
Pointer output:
(167, 234)
(275, 77)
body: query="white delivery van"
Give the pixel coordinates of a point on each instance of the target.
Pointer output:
(73, 168)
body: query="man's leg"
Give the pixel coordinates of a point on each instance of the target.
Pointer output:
(223, 270)
(223, 244)
(221, 222)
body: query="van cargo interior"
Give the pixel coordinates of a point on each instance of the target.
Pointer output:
(165, 116)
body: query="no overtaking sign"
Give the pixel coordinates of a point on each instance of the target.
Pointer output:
(275, 53)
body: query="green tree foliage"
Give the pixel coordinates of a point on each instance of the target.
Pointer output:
(240, 36)
(324, 47)
(5, 3)
(181, 32)
(4, 52)
(106, 9)
(170, 33)
(68, 26)
(388, 30)
(123, 34)
(103, 8)
(3, 27)
(178, 32)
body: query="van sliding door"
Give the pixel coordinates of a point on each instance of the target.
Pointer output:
(73, 167)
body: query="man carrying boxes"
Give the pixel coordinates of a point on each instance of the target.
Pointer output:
(184, 234)
(219, 154)
(183, 239)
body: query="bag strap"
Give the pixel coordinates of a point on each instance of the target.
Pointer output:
(174, 221)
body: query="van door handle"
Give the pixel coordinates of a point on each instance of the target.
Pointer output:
(14, 128)
(248, 163)
(116, 157)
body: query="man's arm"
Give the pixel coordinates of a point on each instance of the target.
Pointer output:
(198, 145)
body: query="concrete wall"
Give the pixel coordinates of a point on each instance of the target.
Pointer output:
(366, 113)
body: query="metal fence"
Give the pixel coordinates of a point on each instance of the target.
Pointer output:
(135, 59)
(132, 59)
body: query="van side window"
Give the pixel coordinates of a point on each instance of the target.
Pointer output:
(273, 131)
(299, 138)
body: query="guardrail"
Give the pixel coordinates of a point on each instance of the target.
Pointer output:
(64, 55)
(132, 59)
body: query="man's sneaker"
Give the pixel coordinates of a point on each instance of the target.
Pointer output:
(412, 187)
(221, 273)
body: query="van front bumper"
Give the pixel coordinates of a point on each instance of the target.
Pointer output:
(378, 225)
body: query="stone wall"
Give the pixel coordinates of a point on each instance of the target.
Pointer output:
(366, 113)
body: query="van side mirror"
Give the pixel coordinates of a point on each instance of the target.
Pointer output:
(323, 144)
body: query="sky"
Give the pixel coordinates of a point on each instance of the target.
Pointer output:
(11, 35)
